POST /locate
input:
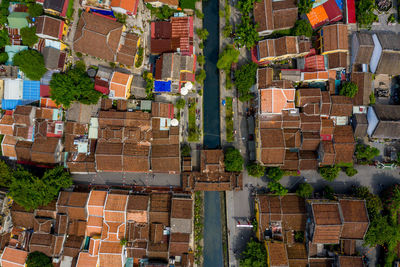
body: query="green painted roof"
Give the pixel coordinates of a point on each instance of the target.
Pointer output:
(17, 20)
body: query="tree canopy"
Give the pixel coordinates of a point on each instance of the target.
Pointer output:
(365, 12)
(350, 171)
(245, 78)
(180, 103)
(277, 189)
(3, 57)
(366, 152)
(30, 191)
(201, 76)
(246, 33)
(302, 27)
(373, 202)
(35, 10)
(4, 40)
(304, 6)
(381, 232)
(29, 36)
(74, 85)
(254, 255)
(31, 63)
(202, 33)
(227, 57)
(5, 174)
(329, 173)
(275, 173)
(233, 160)
(305, 190)
(255, 170)
(349, 89)
(38, 259)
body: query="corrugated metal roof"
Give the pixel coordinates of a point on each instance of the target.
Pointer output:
(31, 90)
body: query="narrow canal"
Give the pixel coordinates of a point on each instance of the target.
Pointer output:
(212, 254)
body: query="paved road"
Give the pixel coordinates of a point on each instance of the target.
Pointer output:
(118, 178)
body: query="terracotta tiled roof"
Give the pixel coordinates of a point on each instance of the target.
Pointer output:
(85, 260)
(277, 254)
(363, 80)
(274, 100)
(181, 208)
(326, 214)
(355, 218)
(349, 261)
(264, 77)
(97, 36)
(335, 37)
(291, 161)
(329, 154)
(12, 257)
(96, 202)
(6, 124)
(8, 146)
(271, 15)
(310, 141)
(341, 105)
(49, 26)
(173, 3)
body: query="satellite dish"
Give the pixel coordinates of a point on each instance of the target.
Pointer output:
(184, 91)
(174, 122)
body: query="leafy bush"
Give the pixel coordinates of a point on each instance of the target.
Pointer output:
(329, 173)
(233, 160)
(180, 103)
(304, 6)
(148, 77)
(305, 190)
(255, 170)
(162, 13)
(121, 18)
(349, 89)
(254, 255)
(29, 36)
(299, 236)
(201, 76)
(199, 14)
(275, 173)
(227, 30)
(185, 150)
(245, 78)
(302, 27)
(277, 189)
(391, 18)
(31, 63)
(372, 99)
(139, 59)
(38, 259)
(351, 171)
(227, 57)
(201, 60)
(366, 152)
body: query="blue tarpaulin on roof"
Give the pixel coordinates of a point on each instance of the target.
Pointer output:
(103, 12)
(161, 86)
(10, 104)
(339, 4)
(31, 90)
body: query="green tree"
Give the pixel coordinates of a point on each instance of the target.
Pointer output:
(305, 190)
(227, 30)
(329, 193)
(254, 255)
(202, 33)
(302, 27)
(349, 89)
(148, 77)
(3, 57)
(275, 173)
(4, 40)
(245, 78)
(255, 170)
(121, 18)
(233, 160)
(31, 192)
(366, 152)
(29, 36)
(74, 85)
(5, 174)
(227, 57)
(329, 173)
(392, 201)
(35, 10)
(381, 232)
(201, 60)
(201, 76)
(185, 150)
(31, 63)
(277, 189)
(373, 202)
(180, 103)
(246, 33)
(199, 14)
(350, 171)
(304, 6)
(38, 259)
(365, 12)
(372, 99)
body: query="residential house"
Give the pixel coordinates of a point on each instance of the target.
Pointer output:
(102, 80)
(159, 3)
(281, 48)
(361, 100)
(172, 70)
(360, 125)
(54, 59)
(212, 161)
(12, 257)
(7, 124)
(17, 20)
(56, 7)
(120, 85)
(344, 144)
(98, 36)
(125, 7)
(355, 219)
(277, 97)
(8, 146)
(277, 254)
(128, 47)
(271, 16)
(383, 122)
(385, 57)
(334, 38)
(354, 261)
(337, 61)
(322, 13)
(341, 109)
(49, 27)
(362, 47)
(326, 223)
